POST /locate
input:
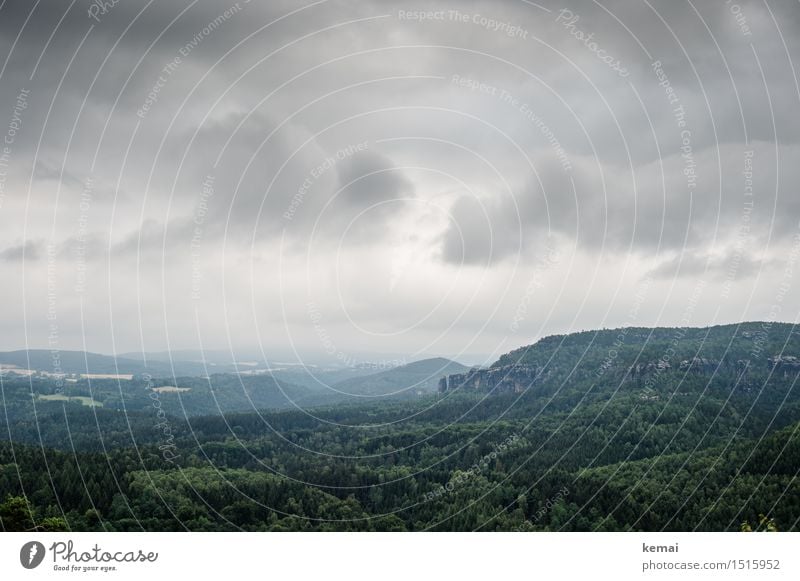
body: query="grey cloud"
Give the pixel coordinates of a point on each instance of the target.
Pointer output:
(28, 250)
(605, 210)
(480, 232)
(46, 171)
(371, 192)
(733, 265)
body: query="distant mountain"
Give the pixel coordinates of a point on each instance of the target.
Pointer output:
(319, 378)
(81, 362)
(314, 376)
(410, 380)
(196, 356)
(216, 361)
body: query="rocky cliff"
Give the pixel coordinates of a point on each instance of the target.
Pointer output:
(506, 379)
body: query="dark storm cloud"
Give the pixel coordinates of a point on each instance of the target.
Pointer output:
(370, 179)
(371, 190)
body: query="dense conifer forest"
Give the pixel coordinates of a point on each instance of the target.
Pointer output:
(626, 429)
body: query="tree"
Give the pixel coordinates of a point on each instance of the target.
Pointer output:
(765, 525)
(15, 514)
(52, 524)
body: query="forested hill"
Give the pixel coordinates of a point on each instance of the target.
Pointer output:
(620, 349)
(652, 362)
(411, 380)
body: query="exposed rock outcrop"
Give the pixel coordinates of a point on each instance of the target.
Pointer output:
(506, 379)
(786, 364)
(698, 365)
(641, 369)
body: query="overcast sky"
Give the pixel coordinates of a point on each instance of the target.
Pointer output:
(339, 178)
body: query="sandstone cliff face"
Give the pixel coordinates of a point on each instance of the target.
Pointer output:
(506, 379)
(518, 378)
(788, 365)
(785, 361)
(699, 365)
(696, 364)
(641, 369)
